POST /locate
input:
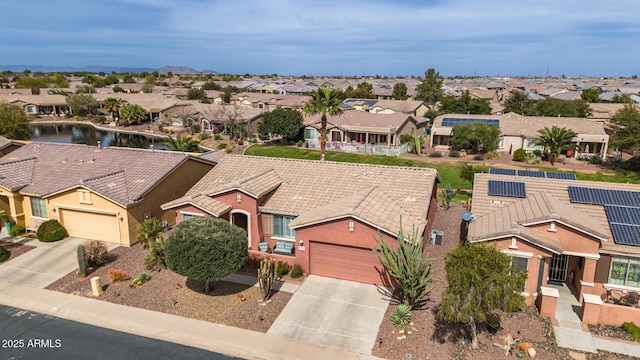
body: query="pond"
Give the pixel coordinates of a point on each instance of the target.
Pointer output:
(86, 134)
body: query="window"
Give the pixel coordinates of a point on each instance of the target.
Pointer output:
(521, 265)
(186, 217)
(38, 207)
(625, 271)
(309, 133)
(32, 109)
(281, 227)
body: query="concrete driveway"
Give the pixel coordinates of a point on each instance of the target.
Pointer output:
(336, 313)
(43, 265)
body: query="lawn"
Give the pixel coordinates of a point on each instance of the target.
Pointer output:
(448, 173)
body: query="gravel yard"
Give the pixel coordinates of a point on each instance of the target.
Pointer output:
(174, 294)
(437, 340)
(16, 248)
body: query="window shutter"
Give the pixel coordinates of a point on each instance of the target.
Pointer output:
(267, 224)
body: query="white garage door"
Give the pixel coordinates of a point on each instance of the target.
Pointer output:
(93, 226)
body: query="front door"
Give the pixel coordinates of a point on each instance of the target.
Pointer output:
(558, 268)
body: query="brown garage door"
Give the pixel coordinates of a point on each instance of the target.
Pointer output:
(345, 262)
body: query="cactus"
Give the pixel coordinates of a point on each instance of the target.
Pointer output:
(265, 276)
(448, 196)
(82, 260)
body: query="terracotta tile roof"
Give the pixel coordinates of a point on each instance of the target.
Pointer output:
(203, 202)
(305, 187)
(122, 174)
(586, 216)
(4, 142)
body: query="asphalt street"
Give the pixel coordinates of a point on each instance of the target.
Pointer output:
(30, 335)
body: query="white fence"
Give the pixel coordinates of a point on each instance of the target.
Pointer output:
(361, 148)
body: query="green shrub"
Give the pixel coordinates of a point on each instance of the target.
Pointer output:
(595, 159)
(17, 230)
(100, 119)
(296, 271)
(282, 269)
(156, 259)
(240, 142)
(222, 146)
(51, 230)
(436, 154)
(631, 329)
(478, 157)
(217, 137)
(4, 254)
(96, 253)
(203, 136)
(489, 155)
(454, 154)
(531, 158)
(632, 164)
(141, 279)
(228, 150)
(519, 155)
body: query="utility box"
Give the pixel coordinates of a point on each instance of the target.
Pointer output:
(437, 237)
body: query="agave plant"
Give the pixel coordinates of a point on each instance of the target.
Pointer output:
(401, 317)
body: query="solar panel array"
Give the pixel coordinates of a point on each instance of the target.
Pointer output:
(507, 188)
(536, 174)
(604, 196)
(622, 208)
(453, 121)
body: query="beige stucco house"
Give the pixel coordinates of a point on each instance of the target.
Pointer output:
(96, 193)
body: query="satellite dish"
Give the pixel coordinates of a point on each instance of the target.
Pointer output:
(467, 216)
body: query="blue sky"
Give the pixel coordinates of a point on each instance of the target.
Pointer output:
(299, 37)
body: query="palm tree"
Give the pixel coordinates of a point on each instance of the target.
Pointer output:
(113, 105)
(325, 101)
(90, 80)
(555, 140)
(184, 144)
(149, 231)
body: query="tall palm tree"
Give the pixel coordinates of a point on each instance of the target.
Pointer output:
(184, 144)
(113, 105)
(555, 140)
(325, 101)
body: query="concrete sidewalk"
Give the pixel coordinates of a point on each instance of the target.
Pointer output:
(201, 334)
(570, 335)
(43, 265)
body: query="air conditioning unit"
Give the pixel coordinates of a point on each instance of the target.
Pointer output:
(437, 237)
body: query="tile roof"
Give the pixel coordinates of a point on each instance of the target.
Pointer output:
(585, 216)
(306, 188)
(122, 174)
(203, 202)
(214, 156)
(4, 142)
(358, 120)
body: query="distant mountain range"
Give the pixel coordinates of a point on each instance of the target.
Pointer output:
(177, 70)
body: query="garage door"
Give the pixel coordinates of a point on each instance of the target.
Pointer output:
(345, 262)
(91, 225)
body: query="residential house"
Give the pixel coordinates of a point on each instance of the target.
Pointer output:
(41, 105)
(8, 145)
(96, 193)
(411, 107)
(211, 117)
(321, 215)
(518, 132)
(563, 231)
(365, 127)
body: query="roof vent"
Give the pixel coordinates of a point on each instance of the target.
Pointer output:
(552, 227)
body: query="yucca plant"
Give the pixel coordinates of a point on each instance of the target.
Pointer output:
(401, 317)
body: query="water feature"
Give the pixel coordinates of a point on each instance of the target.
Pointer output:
(87, 134)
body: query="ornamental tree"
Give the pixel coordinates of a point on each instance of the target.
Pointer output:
(206, 249)
(481, 280)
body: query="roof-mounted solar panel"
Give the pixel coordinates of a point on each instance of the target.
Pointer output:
(507, 188)
(498, 171)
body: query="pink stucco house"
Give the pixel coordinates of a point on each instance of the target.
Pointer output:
(321, 215)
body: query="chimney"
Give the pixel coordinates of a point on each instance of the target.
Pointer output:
(152, 147)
